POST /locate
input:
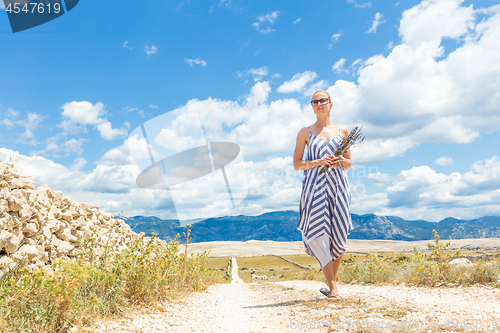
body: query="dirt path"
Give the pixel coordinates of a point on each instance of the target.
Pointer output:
(235, 278)
(235, 307)
(297, 306)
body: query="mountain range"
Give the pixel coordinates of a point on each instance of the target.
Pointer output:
(281, 226)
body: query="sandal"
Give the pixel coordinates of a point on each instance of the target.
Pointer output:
(325, 292)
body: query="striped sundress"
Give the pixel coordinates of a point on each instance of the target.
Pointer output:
(325, 202)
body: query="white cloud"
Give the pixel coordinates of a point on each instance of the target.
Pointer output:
(257, 73)
(364, 5)
(69, 146)
(361, 5)
(125, 45)
(338, 67)
(389, 46)
(30, 123)
(79, 114)
(154, 106)
(418, 94)
(380, 179)
(320, 85)
(378, 20)
(422, 193)
(196, 61)
(336, 37)
(444, 161)
(269, 18)
(298, 82)
(78, 163)
(13, 113)
(129, 109)
(169, 138)
(297, 20)
(111, 187)
(109, 133)
(117, 156)
(150, 49)
(431, 21)
(259, 93)
(266, 30)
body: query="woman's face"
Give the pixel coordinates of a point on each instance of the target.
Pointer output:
(321, 108)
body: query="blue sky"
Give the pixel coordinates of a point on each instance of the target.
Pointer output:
(421, 77)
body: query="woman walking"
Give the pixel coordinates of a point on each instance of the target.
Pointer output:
(324, 212)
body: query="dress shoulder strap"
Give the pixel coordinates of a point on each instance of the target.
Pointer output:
(309, 129)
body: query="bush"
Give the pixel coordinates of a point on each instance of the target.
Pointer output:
(78, 292)
(418, 268)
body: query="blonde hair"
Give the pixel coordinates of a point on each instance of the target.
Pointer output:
(326, 92)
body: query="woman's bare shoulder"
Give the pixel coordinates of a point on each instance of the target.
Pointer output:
(344, 131)
(304, 131)
(303, 134)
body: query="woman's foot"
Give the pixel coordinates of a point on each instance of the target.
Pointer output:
(335, 298)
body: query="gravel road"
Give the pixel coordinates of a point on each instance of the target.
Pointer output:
(297, 306)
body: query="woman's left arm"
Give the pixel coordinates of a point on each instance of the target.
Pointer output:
(346, 157)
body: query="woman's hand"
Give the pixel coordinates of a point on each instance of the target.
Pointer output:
(327, 160)
(336, 161)
(332, 160)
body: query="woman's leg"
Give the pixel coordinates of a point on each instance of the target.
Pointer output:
(330, 271)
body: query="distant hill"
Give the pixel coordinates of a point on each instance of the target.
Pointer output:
(281, 226)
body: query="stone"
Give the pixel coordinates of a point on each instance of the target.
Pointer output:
(27, 182)
(9, 242)
(54, 226)
(25, 212)
(67, 216)
(4, 205)
(47, 233)
(30, 229)
(6, 263)
(15, 184)
(461, 262)
(56, 212)
(64, 247)
(67, 236)
(30, 251)
(16, 201)
(42, 225)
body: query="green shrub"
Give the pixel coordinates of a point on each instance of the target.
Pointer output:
(80, 291)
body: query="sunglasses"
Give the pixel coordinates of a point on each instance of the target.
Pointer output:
(322, 101)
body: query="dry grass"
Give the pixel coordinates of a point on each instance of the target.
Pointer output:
(220, 265)
(79, 292)
(275, 268)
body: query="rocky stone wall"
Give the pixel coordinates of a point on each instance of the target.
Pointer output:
(41, 224)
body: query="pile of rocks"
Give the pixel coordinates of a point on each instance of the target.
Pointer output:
(42, 225)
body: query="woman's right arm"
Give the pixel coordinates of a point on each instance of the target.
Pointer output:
(298, 163)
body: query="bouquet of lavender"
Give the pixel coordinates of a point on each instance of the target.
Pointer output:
(354, 137)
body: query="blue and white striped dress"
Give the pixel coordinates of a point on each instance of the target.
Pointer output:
(325, 203)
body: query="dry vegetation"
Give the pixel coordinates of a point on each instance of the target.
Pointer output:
(91, 288)
(79, 292)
